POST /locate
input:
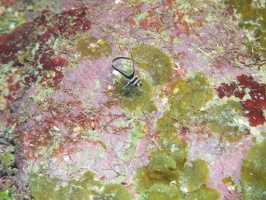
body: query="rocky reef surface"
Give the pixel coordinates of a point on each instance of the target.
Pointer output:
(194, 130)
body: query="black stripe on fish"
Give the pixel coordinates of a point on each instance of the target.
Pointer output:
(134, 80)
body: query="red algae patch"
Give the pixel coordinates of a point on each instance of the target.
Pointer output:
(254, 104)
(28, 53)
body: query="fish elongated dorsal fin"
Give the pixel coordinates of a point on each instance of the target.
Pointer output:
(124, 73)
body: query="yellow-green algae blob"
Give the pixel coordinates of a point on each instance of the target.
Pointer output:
(139, 98)
(169, 167)
(163, 192)
(204, 193)
(188, 96)
(253, 18)
(42, 187)
(220, 120)
(253, 173)
(173, 147)
(162, 174)
(154, 62)
(194, 175)
(166, 125)
(86, 187)
(94, 48)
(114, 192)
(165, 165)
(162, 163)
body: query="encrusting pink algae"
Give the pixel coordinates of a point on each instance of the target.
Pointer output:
(194, 130)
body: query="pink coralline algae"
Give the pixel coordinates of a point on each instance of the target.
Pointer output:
(60, 105)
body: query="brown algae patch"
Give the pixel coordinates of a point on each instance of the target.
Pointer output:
(155, 62)
(94, 48)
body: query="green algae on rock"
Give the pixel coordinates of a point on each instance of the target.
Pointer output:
(163, 178)
(86, 187)
(253, 173)
(162, 163)
(194, 175)
(114, 192)
(253, 18)
(42, 187)
(154, 62)
(7, 159)
(186, 97)
(139, 98)
(189, 96)
(161, 191)
(164, 167)
(204, 193)
(221, 120)
(94, 48)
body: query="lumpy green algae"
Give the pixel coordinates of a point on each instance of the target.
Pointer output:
(189, 96)
(161, 191)
(158, 71)
(170, 176)
(253, 173)
(193, 176)
(220, 120)
(186, 98)
(94, 48)
(155, 62)
(204, 193)
(44, 188)
(161, 179)
(253, 18)
(139, 98)
(114, 192)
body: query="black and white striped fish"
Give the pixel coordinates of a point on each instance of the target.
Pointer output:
(134, 80)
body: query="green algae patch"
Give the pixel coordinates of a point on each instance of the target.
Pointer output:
(164, 178)
(42, 187)
(86, 187)
(175, 148)
(253, 173)
(161, 191)
(5, 195)
(170, 176)
(115, 192)
(220, 120)
(155, 62)
(7, 159)
(139, 98)
(162, 163)
(194, 175)
(204, 193)
(164, 167)
(166, 125)
(189, 96)
(253, 18)
(94, 48)
(186, 97)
